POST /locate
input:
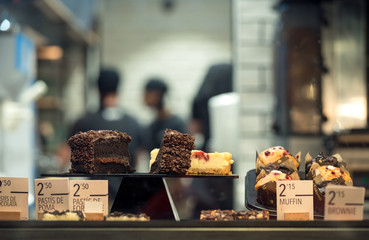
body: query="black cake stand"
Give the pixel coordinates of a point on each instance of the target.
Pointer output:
(140, 192)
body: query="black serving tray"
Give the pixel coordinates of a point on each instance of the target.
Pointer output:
(134, 175)
(251, 195)
(140, 192)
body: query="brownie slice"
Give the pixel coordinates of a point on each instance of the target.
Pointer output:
(102, 151)
(174, 156)
(217, 215)
(231, 215)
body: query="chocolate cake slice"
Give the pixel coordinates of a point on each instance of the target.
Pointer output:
(102, 151)
(174, 156)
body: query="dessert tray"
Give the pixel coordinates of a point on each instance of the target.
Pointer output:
(134, 175)
(251, 195)
(140, 192)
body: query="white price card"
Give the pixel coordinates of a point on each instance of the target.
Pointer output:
(51, 194)
(344, 203)
(14, 198)
(82, 191)
(295, 200)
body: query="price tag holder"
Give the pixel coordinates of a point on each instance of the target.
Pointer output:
(82, 191)
(14, 198)
(295, 200)
(344, 203)
(51, 194)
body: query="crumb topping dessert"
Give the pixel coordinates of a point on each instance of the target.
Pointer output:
(63, 216)
(174, 156)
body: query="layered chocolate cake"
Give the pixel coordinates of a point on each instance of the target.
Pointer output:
(174, 156)
(102, 151)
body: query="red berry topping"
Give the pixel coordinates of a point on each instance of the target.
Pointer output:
(201, 155)
(267, 153)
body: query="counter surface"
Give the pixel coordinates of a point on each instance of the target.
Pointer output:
(185, 230)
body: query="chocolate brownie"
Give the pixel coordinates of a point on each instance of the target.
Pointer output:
(231, 215)
(252, 215)
(217, 215)
(102, 151)
(174, 156)
(119, 216)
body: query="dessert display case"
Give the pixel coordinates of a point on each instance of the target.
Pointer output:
(301, 104)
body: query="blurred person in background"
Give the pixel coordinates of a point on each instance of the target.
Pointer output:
(218, 80)
(109, 116)
(155, 92)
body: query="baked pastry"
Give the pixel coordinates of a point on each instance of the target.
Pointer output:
(324, 170)
(252, 215)
(218, 215)
(205, 163)
(63, 216)
(272, 154)
(174, 156)
(284, 169)
(231, 215)
(102, 151)
(119, 216)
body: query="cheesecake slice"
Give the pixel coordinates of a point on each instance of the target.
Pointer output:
(205, 163)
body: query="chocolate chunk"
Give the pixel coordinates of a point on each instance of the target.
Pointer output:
(174, 156)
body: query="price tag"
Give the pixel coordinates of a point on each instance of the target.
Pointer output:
(51, 194)
(295, 200)
(82, 191)
(344, 203)
(93, 207)
(14, 198)
(94, 211)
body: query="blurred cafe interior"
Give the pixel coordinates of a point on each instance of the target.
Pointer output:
(297, 77)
